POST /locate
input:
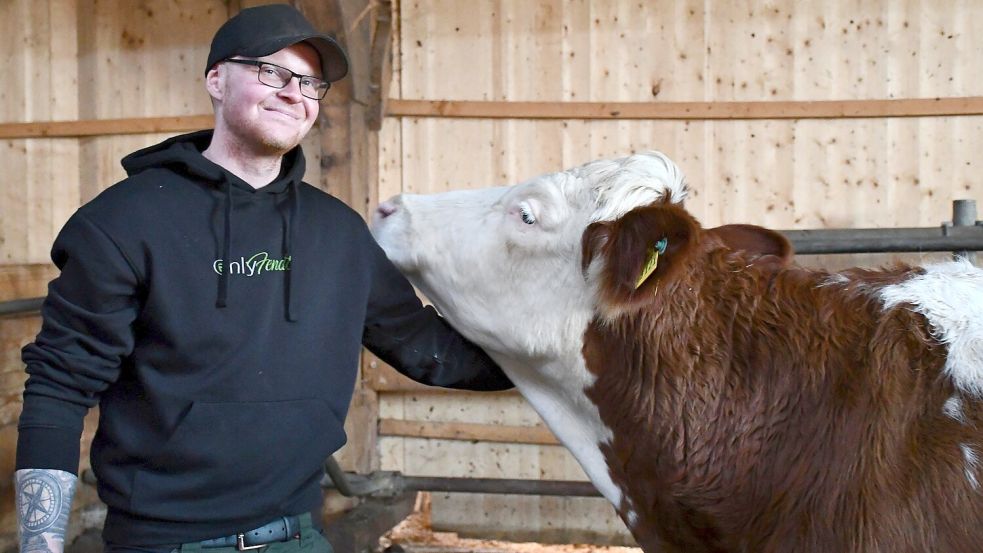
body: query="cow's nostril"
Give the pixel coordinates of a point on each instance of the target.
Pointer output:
(386, 209)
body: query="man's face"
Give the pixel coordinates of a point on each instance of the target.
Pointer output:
(261, 118)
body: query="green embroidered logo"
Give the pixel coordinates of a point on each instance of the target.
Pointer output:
(255, 265)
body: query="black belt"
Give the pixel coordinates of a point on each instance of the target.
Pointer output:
(281, 529)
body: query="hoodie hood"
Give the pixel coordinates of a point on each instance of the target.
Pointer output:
(183, 155)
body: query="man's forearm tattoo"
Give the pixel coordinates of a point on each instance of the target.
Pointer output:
(44, 500)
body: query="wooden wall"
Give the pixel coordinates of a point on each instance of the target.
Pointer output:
(782, 173)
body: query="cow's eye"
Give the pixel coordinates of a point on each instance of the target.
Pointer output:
(527, 216)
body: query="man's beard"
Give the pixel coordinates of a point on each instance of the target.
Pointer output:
(279, 145)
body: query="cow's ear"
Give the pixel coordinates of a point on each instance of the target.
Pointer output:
(632, 258)
(761, 244)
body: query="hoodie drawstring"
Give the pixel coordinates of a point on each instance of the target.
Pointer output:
(223, 278)
(289, 235)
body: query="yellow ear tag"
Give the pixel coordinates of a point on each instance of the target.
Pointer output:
(652, 262)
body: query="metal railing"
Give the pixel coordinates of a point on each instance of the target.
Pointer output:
(961, 235)
(386, 483)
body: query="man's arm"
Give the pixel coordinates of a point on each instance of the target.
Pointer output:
(417, 341)
(44, 501)
(86, 332)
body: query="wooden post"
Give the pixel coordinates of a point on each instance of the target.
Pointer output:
(349, 156)
(380, 70)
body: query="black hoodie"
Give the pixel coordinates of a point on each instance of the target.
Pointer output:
(218, 327)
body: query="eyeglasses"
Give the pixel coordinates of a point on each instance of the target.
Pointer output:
(275, 76)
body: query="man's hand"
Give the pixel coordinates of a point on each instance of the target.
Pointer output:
(44, 500)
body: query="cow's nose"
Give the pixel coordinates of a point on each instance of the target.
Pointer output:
(386, 209)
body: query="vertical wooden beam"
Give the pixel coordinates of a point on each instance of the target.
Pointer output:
(348, 127)
(380, 69)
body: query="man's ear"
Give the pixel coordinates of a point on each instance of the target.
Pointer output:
(639, 253)
(215, 82)
(760, 243)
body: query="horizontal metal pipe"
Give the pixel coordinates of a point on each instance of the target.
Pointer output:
(939, 239)
(508, 486)
(392, 483)
(20, 307)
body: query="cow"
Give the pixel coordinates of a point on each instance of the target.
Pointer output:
(721, 397)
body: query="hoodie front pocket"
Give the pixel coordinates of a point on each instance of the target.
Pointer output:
(236, 459)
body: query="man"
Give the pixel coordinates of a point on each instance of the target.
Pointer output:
(214, 306)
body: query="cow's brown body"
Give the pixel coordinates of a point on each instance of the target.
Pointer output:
(758, 407)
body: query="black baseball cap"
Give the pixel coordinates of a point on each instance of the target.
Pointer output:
(263, 30)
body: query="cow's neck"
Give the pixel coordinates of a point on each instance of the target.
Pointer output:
(556, 389)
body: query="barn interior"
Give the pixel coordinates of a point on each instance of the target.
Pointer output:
(791, 115)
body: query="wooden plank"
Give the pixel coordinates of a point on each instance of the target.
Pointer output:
(537, 435)
(59, 157)
(19, 282)
(358, 454)
(106, 127)
(820, 109)
(380, 68)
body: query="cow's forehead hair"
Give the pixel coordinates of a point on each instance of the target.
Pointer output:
(617, 186)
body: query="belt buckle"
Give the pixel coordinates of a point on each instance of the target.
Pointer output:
(241, 543)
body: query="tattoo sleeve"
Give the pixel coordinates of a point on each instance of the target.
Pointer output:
(44, 500)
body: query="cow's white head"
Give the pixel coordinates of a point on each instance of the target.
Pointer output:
(504, 264)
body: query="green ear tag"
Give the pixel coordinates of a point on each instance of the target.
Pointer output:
(652, 262)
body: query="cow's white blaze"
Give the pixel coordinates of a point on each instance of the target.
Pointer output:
(504, 266)
(949, 296)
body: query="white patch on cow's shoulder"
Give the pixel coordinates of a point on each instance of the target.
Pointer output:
(953, 408)
(620, 185)
(972, 465)
(950, 296)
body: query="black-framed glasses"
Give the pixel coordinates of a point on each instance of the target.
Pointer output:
(276, 76)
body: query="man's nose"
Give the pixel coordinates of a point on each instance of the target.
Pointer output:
(292, 89)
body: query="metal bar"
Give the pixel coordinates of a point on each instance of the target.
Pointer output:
(964, 215)
(385, 483)
(941, 239)
(508, 486)
(21, 307)
(337, 476)
(356, 485)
